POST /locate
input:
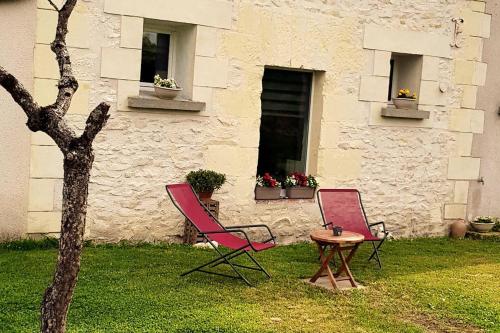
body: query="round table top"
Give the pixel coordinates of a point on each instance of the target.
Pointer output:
(326, 236)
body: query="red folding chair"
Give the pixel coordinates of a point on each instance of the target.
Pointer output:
(344, 208)
(187, 202)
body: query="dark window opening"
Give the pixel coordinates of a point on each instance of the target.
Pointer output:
(391, 80)
(284, 123)
(155, 56)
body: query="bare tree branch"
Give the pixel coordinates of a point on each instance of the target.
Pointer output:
(44, 119)
(95, 122)
(68, 84)
(53, 5)
(20, 95)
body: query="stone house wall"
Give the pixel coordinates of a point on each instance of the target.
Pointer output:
(414, 174)
(484, 196)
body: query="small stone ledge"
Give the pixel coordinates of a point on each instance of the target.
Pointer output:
(42, 235)
(285, 201)
(493, 235)
(147, 101)
(405, 113)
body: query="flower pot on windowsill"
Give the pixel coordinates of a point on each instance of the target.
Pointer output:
(267, 193)
(405, 103)
(482, 227)
(300, 192)
(167, 93)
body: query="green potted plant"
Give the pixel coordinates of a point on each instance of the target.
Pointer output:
(405, 100)
(166, 88)
(300, 186)
(267, 188)
(496, 228)
(205, 182)
(483, 223)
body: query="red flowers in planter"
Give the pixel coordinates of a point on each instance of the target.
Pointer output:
(267, 181)
(300, 179)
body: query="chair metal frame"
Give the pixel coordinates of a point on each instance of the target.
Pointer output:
(380, 241)
(226, 258)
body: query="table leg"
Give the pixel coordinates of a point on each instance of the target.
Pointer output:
(332, 279)
(345, 264)
(321, 252)
(325, 261)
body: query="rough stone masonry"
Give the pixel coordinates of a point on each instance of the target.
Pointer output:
(412, 174)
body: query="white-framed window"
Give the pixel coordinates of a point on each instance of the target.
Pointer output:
(158, 53)
(168, 49)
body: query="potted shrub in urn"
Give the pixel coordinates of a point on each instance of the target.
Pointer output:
(267, 188)
(166, 88)
(205, 182)
(300, 186)
(405, 100)
(483, 223)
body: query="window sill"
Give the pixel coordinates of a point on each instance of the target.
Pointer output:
(284, 200)
(146, 100)
(405, 113)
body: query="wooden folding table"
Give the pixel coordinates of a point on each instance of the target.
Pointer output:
(328, 245)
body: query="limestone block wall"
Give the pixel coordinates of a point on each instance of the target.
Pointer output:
(46, 171)
(484, 197)
(412, 174)
(465, 119)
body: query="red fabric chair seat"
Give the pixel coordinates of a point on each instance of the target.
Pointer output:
(342, 207)
(235, 238)
(190, 206)
(234, 242)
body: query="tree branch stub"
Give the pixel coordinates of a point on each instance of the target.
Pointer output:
(95, 122)
(53, 5)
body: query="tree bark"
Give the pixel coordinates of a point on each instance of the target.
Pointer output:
(58, 296)
(78, 161)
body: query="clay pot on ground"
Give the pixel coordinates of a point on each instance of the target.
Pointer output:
(458, 229)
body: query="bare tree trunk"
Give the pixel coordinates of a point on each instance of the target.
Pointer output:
(78, 159)
(58, 296)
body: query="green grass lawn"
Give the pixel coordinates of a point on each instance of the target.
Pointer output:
(426, 285)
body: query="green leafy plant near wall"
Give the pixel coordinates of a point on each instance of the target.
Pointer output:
(205, 180)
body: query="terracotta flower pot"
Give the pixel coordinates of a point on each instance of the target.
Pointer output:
(267, 193)
(482, 227)
(300, 192)
(458, 229)
(205, 195)
(167, 93)
(405, 103)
